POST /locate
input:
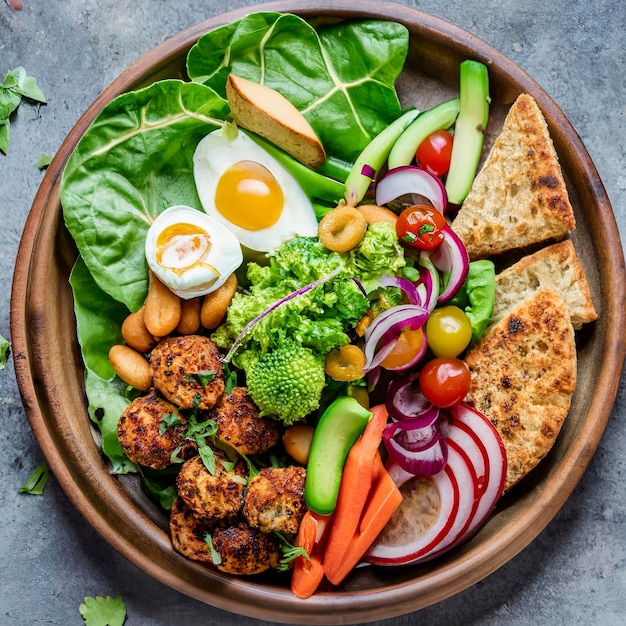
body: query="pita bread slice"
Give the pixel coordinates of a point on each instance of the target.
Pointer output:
(523, 378)
(556, 266)
(519, 197)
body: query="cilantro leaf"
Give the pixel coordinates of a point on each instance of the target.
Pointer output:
(169, 419)
(216, 557)
(289, 552)
(36, 482)
(204, 377)
(101, 611)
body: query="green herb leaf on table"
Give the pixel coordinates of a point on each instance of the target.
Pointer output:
(44, 160)
(17, 84)
(103, 611)
(5, 347)
(340, 76)
(36, 482)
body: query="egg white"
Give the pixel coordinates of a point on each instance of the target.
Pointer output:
(219, 150)
(189, 279)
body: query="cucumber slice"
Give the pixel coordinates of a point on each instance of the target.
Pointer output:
(439, 117)
(469, 131)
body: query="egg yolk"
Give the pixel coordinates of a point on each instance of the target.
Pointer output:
(249, 196)
(182, 246)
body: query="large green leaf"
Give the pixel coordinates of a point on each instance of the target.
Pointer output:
(134, 161)
(98, 322)
(341, 76)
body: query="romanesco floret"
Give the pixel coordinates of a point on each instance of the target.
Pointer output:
(287, 382)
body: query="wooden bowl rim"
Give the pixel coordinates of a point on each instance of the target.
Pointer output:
(38, 385)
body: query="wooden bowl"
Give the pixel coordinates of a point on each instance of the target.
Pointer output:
(50, 371)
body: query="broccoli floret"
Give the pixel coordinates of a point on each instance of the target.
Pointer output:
(287, 382)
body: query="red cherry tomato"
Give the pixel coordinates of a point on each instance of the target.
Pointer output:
(445, 381)
(421, 226)
(433, 154)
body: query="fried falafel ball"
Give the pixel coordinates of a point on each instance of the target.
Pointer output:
(240, 426)
(189, 533)
(142, 437)
(187, 370)
(244, 550)
(214, 496)
(275, 501)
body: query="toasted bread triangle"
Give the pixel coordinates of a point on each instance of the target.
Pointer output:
(523, 376)
(519, 196)
(556, 266)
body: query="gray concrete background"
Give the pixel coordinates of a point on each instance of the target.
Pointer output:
(575, 571)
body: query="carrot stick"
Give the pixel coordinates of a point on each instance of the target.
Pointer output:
(360, 472)
(381, 505)
(308, 573)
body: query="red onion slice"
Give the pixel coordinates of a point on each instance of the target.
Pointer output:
(386, 329)
(426, 462)
(405, 400)
(413, 439)
(428, 282)
(452, 259)
(417, 357)
(405, 285)
(408, 179)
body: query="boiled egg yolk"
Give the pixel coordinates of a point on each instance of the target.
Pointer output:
(249, 196)
(181, 246)
(190, 252)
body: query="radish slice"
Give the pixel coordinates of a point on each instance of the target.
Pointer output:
(469, 487)
(452, 259)
(410, 179)
(472, 431)
(486, 436)
(398, 546)
(460, 464)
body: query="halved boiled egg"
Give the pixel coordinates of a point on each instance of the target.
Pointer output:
(250, 192)
(190, 252)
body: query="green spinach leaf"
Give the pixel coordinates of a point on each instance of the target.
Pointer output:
(134, 161)
(98, 323)
(340, 76)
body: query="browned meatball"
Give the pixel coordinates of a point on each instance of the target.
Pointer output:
(275, 499)
(189, 533)
(187, 370)
(214, 496)
(139, 432)
(245, 550)
(240, 426)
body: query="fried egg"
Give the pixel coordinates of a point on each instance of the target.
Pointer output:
(250, 192)
(190, 252)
